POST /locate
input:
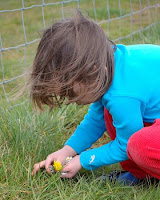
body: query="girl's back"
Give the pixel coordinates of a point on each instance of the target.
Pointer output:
(137, 71)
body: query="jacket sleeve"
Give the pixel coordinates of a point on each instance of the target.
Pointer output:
(127, 119)
(90, 129)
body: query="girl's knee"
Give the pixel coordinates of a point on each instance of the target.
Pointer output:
(134, 145)
(138, 147)
(144, 144)
(156, 122)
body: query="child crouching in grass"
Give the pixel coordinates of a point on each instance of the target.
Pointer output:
(76, 61)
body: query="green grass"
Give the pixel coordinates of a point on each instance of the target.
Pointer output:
(27, 137)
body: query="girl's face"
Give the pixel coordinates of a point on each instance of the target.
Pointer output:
(80, 89)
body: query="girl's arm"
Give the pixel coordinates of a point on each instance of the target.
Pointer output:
(90, 129)
(127, 119)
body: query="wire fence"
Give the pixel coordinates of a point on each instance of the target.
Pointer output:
(121, 20)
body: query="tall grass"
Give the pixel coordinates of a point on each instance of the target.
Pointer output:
(27, 137)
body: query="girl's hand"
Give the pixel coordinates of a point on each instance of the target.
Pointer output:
(72, 167)
(59, 155)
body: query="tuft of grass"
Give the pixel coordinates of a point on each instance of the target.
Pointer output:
(27, 137)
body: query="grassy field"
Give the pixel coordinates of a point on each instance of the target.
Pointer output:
(27, 137)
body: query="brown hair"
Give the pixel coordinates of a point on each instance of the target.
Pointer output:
(73, 50)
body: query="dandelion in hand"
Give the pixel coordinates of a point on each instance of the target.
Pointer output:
(57, 166)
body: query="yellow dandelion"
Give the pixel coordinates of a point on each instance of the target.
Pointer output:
(57, 166)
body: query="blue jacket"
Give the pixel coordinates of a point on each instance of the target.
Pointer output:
(133, 97)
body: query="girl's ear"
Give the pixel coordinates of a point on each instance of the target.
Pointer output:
(77, 88)
(106, 70)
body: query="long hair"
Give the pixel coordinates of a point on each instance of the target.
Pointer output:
(73, 50)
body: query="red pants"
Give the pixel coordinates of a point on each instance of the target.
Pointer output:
(143, 149)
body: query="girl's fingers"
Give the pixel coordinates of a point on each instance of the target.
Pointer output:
(38, 166)
(65, 169)
(65, 172)
(48, 162)
(65, 175)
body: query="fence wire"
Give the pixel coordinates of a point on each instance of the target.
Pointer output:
(147, 10)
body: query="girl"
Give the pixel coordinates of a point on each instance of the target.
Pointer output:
(76, 61)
